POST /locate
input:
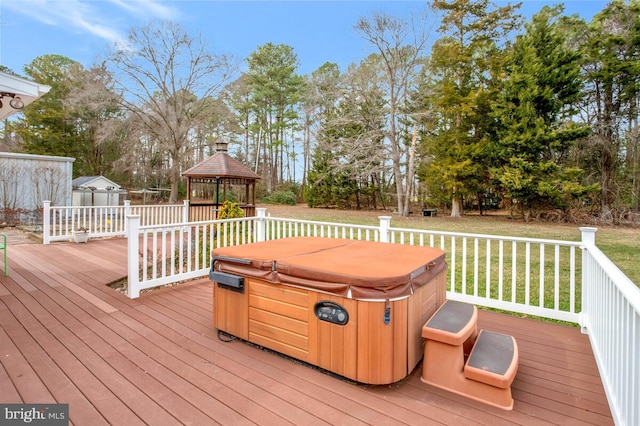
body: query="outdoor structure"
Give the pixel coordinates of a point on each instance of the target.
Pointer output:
(96, 191)
(27, 180)
(354, 308)
(144, 193)
(214, 180)
(16, 93)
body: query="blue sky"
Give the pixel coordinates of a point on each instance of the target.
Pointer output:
(318, 31)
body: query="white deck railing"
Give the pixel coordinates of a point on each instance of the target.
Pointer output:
(165, 254)
(611, 317)
(105, 221)
(276, 228)
(545, 278)
(524, 275)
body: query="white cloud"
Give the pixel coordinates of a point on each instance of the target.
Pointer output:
(104, 19)
(154, 8)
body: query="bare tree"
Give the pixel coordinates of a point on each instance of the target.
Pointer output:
(319, 99)
(92, 107)
(167, 77)
(358, 127)
(11, 174)
(48, 183)
(400, 45)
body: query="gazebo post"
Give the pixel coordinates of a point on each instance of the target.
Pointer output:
(253, 193)
(217, 193)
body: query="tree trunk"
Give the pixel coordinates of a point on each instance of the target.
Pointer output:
(410, 171)
(175, 179)
(456, 206)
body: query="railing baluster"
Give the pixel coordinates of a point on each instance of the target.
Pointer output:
(501, 270)
(556, 278)
(541, 279)
(572, 279)
(487, 293)
(476, 266)
(514, 275)
(527, 274)
(464, 265)
(453, 269)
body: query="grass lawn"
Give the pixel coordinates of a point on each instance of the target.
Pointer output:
(620, 244)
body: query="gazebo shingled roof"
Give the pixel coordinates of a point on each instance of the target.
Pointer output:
(221, 165)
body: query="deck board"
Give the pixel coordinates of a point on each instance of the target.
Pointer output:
(67, 337)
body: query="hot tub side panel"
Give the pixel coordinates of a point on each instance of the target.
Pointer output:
(279, 319)
(421, 306)
(230, 312)
(338, 344)
(382, 348)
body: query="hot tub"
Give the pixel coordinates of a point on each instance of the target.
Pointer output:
(355, 308)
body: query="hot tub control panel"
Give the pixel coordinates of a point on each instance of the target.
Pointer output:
(331, 312)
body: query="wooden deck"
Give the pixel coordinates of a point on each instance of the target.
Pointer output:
(65, 336)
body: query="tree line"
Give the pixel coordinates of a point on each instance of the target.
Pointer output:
(465, 105)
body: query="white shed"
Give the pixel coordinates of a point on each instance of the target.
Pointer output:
(96, 191)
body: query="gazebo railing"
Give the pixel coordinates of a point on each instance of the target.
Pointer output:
(200, 211)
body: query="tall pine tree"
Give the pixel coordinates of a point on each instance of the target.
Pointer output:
(463, 68)
(535, 111)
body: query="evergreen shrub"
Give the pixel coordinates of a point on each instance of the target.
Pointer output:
(281, 197)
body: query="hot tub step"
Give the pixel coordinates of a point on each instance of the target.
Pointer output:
(493, 359)
(490, 368)
(455, 323)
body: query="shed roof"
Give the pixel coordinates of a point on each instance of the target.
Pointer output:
(221, 165)
(87, 181)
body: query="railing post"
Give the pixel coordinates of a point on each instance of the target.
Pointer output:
(127, 212)
(385, 224)
(185, 211)
(588, 236)
(133, 264)
(46, 222)
(260, 220)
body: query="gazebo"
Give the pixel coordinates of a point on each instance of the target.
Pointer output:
(210, 182)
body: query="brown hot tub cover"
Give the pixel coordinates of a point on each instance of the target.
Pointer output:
(358, 269)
